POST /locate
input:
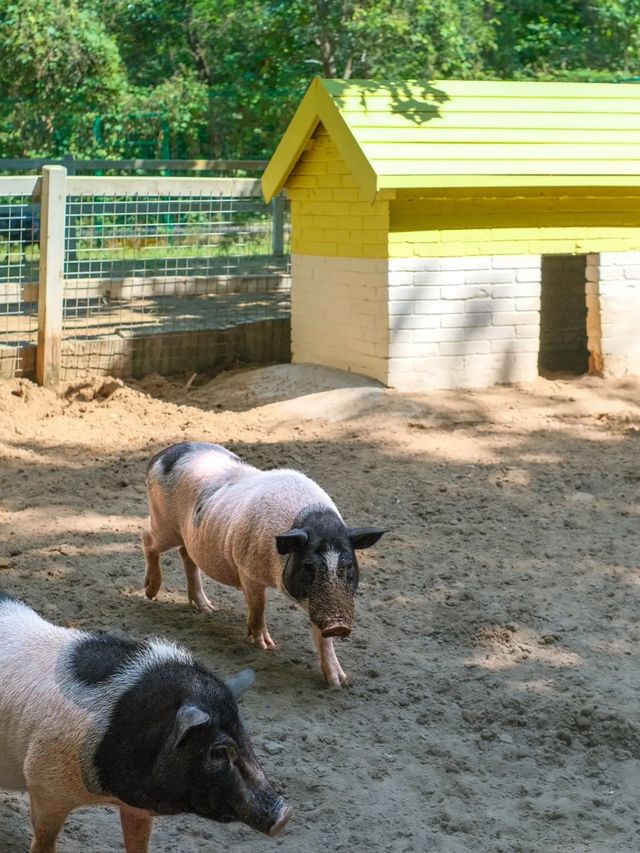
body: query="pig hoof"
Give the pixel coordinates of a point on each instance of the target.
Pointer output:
(336, 680)
(262, 640)
(269, 646)
(151, 590)
(202, 605)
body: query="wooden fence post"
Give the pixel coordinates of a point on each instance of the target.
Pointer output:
(277, 225)
(51, 277)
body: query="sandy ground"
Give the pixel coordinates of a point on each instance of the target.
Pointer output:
(494, 704)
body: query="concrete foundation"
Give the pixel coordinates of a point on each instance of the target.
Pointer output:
(261, 342)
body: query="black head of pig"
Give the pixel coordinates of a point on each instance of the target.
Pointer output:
(175, 743)
(321, 568)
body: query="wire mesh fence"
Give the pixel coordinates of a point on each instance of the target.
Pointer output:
(19, 258)
(159, 276)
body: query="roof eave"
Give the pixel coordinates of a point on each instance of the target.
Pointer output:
(418, 182)
(291, 146)
(317, 107)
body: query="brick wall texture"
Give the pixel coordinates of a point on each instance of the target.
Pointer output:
(465, 322)
(329, 214)
(462, 322)
(339, 314)
(613, 281)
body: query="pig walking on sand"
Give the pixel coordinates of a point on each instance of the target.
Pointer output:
(255, 529)
(88, 719)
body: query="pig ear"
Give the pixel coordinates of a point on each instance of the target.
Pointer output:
(240, 683)
(189, 717)
(291, 541)
(365, 537)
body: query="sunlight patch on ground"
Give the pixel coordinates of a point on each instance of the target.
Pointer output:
(501, 663)
(503, 647)
(68, 521)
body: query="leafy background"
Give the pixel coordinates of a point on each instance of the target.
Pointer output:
(221, 78)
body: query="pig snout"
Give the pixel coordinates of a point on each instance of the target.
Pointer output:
(267, 813)
(331, 609)
(336, 629)
(256, 802)
(281, 820)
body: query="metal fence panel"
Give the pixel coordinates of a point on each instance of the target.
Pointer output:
(19, 258)
(160, 275)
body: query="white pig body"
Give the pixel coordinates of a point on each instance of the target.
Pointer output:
(251, 529)
(30, 649)
(219, 513)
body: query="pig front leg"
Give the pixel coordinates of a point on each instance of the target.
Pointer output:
(194, 584)
(47, 818)
(333, 672)
(255, 595)
(136, 829)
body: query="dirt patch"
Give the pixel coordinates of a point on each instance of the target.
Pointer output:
(494, 705)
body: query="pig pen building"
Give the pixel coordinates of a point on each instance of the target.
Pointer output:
(461, 234)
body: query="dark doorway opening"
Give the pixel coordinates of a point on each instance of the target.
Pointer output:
(563, 315)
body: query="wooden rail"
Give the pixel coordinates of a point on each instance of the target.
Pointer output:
(72, 165)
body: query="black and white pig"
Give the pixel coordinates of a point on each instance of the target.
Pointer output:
(255, 529)
(94, 718)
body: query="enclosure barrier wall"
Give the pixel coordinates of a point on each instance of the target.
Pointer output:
(134, 275)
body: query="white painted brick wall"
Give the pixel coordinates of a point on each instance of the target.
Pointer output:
(418, 323)
(463, 322)
(616, 275)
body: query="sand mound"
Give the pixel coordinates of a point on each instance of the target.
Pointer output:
(240, 390)
(337, 405)
(20, 399)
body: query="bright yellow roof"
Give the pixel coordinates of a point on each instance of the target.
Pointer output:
(459, 133)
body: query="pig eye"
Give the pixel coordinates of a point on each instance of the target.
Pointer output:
(308, 567)
(223, 752)
(348, 573)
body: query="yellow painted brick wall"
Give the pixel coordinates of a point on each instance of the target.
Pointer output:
(536, 222)
(329, 215)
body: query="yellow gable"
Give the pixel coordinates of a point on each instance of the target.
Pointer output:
(469, 134)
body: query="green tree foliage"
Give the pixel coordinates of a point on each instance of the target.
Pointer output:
(575, 39)
(57, 66)
(226, 75)
(257, 58)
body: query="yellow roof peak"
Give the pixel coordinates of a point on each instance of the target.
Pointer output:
(395, 134)
(318, 106)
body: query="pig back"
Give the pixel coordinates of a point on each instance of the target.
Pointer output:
(240, 522)
(180, 479)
